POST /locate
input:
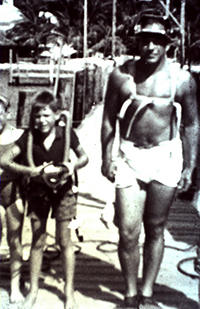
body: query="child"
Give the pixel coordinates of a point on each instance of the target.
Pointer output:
(42, 151)
(11, 203)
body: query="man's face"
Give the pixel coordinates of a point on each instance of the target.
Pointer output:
(153, 45)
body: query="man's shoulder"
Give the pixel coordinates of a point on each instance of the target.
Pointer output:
(122, 72)
(127, 67)
(184, 76)
(184, 80)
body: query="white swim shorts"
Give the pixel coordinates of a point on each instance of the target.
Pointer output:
(162, 163)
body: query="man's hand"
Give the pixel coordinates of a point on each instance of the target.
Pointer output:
(186, 180)
(109, 170)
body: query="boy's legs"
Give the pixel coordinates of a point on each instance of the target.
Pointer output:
(14, 216)
(36, 256)
(2, 220)
(68, 258)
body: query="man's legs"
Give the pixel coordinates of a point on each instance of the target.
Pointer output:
(14, 217)
(129, 209)
(68, 258)
(36, 255)
(158, 202)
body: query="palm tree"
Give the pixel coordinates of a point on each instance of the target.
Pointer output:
(36, 28)
(33, 30)
(70, 23)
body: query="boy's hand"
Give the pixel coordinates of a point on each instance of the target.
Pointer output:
(55, 175)
(67, 170)
(36, 171)
(52, 171)
(51, 175)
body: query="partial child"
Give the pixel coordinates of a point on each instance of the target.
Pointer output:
(12, 206)
(44, 160)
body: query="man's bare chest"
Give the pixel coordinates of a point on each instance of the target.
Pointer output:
(158, 85)
(150, 108)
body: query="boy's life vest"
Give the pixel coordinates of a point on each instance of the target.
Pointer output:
(61, 178)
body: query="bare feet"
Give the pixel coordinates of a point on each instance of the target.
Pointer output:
(16, 297)
(29, 300)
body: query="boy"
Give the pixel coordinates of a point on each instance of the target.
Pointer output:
(11, 203)
(42, 151)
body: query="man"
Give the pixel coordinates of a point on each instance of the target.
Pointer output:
(148, 97)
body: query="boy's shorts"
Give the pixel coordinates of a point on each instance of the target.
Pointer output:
(11, 191)
(42, 198)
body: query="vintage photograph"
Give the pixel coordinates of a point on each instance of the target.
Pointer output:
(100, 154)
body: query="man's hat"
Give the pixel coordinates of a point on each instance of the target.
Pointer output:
(152, 24)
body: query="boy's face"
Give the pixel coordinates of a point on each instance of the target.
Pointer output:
(44, 120)
(3, 117)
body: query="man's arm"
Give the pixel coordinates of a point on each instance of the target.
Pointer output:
(109, 124)
(188, 99)
(120, 86)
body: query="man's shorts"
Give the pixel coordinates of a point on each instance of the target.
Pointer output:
(42, 198)
(162, 163)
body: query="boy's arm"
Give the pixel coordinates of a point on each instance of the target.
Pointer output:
(82, 158)
(7, 162)
(68, 168)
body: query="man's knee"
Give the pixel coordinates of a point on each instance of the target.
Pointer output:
(65, 244)
(129, 237)
(154, 229)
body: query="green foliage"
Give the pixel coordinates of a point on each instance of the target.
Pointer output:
(70, 14)
(33, 30)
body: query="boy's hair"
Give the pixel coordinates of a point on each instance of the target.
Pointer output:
(40, 101)
(4, 102)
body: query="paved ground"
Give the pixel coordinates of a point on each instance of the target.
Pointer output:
(98, 280)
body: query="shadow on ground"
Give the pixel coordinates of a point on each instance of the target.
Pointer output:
(95, 279)
(184, 222)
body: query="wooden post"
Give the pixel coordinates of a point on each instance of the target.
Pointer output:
(84, 56)
(113, 28)
(182, 32)
(170, 14)
(167, 7)
(85, 30)
(58, 69)
(10, 63)
(188, 47)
